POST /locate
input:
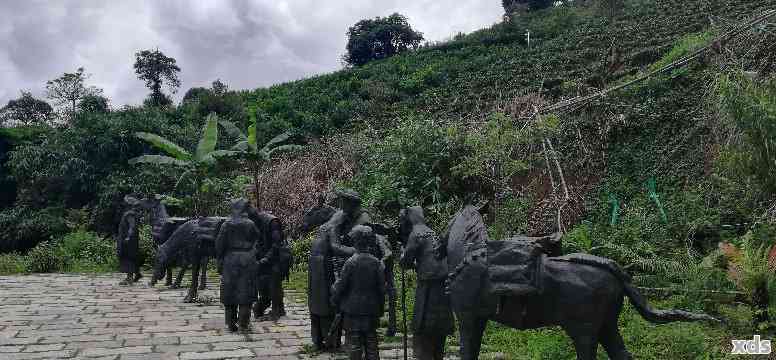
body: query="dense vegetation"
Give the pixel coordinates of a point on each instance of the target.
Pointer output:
(672, 177)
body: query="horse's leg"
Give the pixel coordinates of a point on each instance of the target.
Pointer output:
(471, 329)
(168, 280)
(192, 295)
(612, 342)
(585, 338)
(179, 278)
(203, 274)
(610, 336)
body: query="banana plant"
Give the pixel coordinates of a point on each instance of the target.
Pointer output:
(255, 157)
(197, 166)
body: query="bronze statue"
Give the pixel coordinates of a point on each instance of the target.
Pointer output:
(514, 283)
(128, 244)
(328, 252)
(360, 293)
(274, 264)
(432, 319)
(235, 251)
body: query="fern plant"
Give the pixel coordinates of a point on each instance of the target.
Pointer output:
(196, 167)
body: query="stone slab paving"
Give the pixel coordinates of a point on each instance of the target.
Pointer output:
(72, 316)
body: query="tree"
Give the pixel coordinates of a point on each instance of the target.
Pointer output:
(69, 88)
(198, 102)
(380, 38)
(26, 110)
(156, 69)
(247, 149)
(197, 167)
(513, 6)
(94, 104)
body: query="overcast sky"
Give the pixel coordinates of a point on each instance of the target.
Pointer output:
(247, 44)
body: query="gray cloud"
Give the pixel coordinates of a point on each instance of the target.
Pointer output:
(247, 44)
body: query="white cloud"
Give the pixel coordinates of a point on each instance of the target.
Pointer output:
(247, 44)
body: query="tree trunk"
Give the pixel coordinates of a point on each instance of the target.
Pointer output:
(256, 185)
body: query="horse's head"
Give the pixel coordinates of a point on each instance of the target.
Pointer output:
(315, 217)
(159, 270)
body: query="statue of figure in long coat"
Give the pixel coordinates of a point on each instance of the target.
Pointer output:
(432, 319)
(236, 255)
(128, 244)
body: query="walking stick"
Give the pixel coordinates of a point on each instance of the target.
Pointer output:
(404, 311)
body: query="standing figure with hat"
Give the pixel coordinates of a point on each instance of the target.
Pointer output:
(236, 256)
(328, 252)
(128, 244)
(274, 263)
(432, 319)
(360, 293)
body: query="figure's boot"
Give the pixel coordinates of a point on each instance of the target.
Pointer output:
(127, 280)
(245, 318)
(356, 347)
(261, 306)
(137, 277)
(391, 331)
(278, 307)
(230, 316)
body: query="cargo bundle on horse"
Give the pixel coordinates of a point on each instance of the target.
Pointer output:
(517, 283)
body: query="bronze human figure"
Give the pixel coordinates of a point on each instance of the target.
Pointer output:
(235, 251)
(328, 252)
(273, 264)
(432, 318)
(360, 294)
(128, 244)
(514, 283)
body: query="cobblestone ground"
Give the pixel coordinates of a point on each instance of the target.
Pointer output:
(53, 316)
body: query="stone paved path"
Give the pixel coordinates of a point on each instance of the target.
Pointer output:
(53, 316)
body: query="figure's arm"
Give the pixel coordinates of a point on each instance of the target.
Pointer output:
(381, 285)
(440, 249)
(131, 226)
(385, 248)
(276, 236)
(341, 285)
(410, 253)
(221, 239)
(337, 248)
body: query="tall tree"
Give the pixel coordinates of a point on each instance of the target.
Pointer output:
(513, 6)
(69, 88)
(380, 38)
(94, 103)
(157, 69)
(26, 110)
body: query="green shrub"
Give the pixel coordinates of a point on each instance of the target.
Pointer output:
(12, 263)
(300, 249)
(43, 259)
(83, 251)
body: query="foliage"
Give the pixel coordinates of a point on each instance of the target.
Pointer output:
(157, 69)
(197, 103)
(408, 165)
(512, 6)
(380, 38)
(197, 167)
(83, 251)
(70, 88)
(94, 104)
(247, 148)
(751, 108)
(43, 259)
(26, 110)
(23, 228)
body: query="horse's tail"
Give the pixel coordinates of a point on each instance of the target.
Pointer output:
(636, 299)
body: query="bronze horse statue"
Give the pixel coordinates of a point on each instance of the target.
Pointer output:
(583, 294)
(162, 228)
